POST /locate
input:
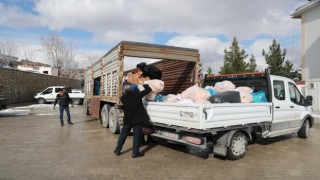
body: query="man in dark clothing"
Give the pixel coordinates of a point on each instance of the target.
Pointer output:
(134, 117)
(64, 100)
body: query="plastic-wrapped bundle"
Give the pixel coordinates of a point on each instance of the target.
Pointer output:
(156, 86)
(196, 94)
(245, 94)
(170, 98)
(245, 97)
(224, 86)
(244, 89)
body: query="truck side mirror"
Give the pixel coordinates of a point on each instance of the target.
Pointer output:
(309, 100)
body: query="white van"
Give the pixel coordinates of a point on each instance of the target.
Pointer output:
(50, 93)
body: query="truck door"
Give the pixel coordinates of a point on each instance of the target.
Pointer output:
(282, 110)
(297, 105)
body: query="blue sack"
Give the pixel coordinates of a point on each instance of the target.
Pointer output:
(259, 96)
(158, 98)
(211, 91)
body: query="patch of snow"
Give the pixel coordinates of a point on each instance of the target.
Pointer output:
(36, 106)
(316, 115)
(12, 111)
(47, 114)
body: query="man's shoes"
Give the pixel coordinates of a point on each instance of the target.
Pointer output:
(70, 123)
(137, 155)
(62, 124)
(117, 153)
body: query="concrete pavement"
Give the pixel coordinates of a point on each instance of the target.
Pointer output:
(34, 146)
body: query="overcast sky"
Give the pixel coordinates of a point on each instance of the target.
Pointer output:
(207, 25)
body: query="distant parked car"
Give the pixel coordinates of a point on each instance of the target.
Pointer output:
(50, 93)
(4, 102)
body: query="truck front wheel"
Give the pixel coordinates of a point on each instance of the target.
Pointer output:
(114, 126)
(238, 146)
(304, 131)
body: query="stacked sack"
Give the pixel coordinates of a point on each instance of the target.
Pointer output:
(221, 92)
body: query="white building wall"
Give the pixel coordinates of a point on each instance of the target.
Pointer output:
(311, 23)
(311, 54)
(42, 70)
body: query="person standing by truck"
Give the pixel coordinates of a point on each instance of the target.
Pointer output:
(64, 100)
(134, 117)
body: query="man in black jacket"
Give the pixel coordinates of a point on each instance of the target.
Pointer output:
(64, 100)
(134, 116)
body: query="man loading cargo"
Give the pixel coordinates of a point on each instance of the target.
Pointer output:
(134, 117)
(64, 100)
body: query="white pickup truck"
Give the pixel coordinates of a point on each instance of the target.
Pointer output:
(49, 95)
(227, 126)
(230, 126)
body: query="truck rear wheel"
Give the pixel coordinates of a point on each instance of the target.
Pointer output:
(86, 108)
(238, 146)
(304, 131)
(114, 126)
(105, 115)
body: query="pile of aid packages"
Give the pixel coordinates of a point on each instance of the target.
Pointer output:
(221, 92)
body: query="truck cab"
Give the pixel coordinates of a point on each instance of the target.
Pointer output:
(290, 107)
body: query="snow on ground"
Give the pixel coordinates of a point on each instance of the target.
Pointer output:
(13, 111)
(316, 115)
(45, 114)
(26, 110)
(35, 106)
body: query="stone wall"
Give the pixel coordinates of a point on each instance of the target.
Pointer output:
(21, 86)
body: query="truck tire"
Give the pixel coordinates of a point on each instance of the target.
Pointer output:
(105, 115)
(86, 108)
(114, 126)
(76, 101)
(304, 131)
(238, 146)
(41, 101)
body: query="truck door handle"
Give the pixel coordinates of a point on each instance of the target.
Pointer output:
(278, 107)
(292, 106)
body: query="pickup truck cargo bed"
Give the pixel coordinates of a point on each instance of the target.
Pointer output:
(207, 116)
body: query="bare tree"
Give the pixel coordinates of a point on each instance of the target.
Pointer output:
(71, 60)
(59, 52)
(87, 59)
(29, 53)
(8, 47)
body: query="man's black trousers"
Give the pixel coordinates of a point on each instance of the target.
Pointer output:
(137, 134)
